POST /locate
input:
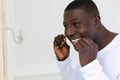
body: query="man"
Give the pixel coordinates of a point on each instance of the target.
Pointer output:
(97, 47)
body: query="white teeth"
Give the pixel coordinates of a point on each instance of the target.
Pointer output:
(75, 40)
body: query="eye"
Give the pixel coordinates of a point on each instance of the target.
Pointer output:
(65, 25)
(76, 24)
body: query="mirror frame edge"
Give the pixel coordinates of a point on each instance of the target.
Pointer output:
(3, 59)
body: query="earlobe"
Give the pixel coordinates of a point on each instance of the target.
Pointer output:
(97, 20)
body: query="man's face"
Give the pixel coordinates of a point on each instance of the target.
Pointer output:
(79, 24)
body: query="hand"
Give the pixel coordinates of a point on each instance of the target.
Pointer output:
(87, 50)
(61, 48)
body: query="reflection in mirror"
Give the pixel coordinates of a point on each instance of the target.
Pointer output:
(31, 26)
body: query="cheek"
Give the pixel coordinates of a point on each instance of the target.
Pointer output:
(84, 32)
(91, 32)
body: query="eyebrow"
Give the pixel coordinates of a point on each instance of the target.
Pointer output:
(71, 20)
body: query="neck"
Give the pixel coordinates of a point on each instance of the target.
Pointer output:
(104, 37)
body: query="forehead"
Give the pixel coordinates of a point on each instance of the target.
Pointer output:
(74, 14)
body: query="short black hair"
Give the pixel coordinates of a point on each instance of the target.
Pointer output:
(88, 5)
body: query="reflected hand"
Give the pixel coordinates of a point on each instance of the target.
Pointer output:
(61, 48)
(87, 50)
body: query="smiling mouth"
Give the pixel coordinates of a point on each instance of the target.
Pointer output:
(74, 41)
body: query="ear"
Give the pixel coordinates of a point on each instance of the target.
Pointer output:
(97, 20)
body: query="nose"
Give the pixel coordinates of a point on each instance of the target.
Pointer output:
(70, 30)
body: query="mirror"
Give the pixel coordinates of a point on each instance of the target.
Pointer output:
(31, 26)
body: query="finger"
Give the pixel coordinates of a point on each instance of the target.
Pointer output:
(83, 43)
(56, 41)
(78, 46)
(89, 42)
(59, 40)
(62, 39)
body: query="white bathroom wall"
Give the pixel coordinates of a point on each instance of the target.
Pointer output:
(37, 22)
(41, 77)
(109, 10)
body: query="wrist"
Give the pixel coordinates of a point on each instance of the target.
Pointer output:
(85, 61)
(62, 58)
